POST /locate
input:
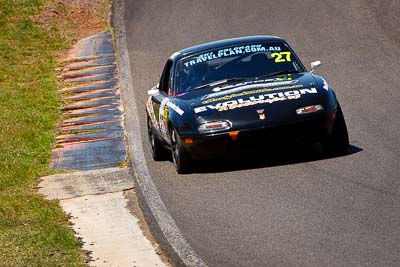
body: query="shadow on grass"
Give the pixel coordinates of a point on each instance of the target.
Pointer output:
(270, 158)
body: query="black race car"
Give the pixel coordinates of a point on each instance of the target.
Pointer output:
(239, 95)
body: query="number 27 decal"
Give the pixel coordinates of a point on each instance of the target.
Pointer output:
(279, 57)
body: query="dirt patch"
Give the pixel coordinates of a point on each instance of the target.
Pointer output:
(76, 19)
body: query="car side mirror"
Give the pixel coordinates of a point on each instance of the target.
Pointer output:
(154, 91)
(315, 65)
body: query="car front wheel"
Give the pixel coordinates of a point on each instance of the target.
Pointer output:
(338, 140)
(158, 152)
(180, 156)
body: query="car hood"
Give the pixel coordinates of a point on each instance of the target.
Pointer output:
(269, 100)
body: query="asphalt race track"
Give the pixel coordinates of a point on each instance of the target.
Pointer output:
(295, 207)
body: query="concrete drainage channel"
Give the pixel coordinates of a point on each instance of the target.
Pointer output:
(90, 143)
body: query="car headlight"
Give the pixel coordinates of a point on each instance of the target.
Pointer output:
(214, 126)
(309, 109)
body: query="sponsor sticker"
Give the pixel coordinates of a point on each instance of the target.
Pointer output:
(268, 98)
(231, 51)
(245, 86)
(325, 86)
(175, 108)
(251, 92)
(150, 109)
(163, 115)
(261, 114)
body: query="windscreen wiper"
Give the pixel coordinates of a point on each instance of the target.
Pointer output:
(219, 82)
(277, 73)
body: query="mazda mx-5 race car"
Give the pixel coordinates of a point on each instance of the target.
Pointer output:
(238, 95)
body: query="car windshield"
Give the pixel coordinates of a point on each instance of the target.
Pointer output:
(234, 63)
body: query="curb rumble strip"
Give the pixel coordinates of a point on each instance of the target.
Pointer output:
(157, 215)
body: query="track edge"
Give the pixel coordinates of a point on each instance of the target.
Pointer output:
(155, 212)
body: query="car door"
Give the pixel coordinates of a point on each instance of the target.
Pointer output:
(160, 101)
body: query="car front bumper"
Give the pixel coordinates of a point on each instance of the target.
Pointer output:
(264, 138)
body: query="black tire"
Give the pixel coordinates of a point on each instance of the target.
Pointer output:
(158, 152)
(338, 140)
(180, 156)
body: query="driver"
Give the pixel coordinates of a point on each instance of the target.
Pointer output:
(195, 76)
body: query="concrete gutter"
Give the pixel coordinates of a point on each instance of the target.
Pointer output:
(98, 204)
(157, 215)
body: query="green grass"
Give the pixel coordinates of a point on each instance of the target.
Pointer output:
(33, 232)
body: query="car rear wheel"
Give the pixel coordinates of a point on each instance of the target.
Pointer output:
(158, 152)
(180, 156)
(338, 140)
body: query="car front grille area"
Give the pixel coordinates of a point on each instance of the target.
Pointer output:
(277, 137)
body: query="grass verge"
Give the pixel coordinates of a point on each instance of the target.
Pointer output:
(33, 232)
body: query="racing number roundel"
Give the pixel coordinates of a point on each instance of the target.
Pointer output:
(163, 115)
